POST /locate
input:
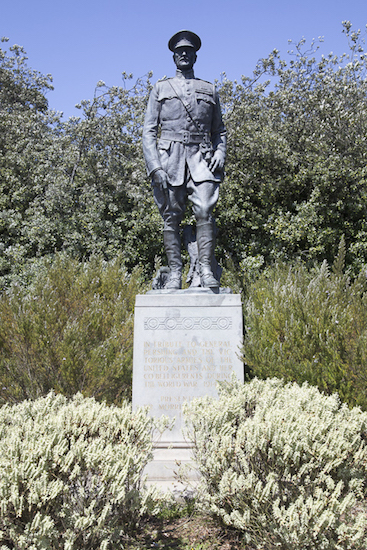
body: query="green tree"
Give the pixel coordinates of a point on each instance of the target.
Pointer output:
(296, 170)
(113, 209)
(78, 186)
(27, 161)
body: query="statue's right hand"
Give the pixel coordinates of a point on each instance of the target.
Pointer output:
(160, 179)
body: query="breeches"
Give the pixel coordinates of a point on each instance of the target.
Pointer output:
(203, 196)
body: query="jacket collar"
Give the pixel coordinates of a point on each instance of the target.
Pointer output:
(185, 74)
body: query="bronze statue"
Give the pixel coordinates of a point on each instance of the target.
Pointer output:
(187, 160)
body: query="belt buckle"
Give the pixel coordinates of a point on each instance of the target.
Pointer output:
(185, 137)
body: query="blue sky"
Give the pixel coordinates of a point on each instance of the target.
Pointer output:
(81, 42)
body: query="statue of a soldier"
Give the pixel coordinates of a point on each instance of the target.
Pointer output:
(187, 160)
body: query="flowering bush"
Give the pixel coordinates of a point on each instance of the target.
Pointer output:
(284, 464)
(71, 473)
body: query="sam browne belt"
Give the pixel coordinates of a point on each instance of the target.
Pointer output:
(185, 137)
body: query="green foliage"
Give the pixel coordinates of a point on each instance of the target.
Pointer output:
(176, 507)
(71, 473)
(296, 167)
(310, 325)
(284, 464)
(72, 330)
(112, 204)
(28, 159)
(78, 186)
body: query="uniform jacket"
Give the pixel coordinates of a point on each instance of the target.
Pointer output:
(166, 112)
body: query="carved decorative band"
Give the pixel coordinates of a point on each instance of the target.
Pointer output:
(187, 323)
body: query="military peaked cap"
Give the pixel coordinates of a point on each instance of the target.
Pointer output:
(184, 38)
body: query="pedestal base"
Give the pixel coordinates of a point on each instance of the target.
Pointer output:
(184, 343)
(167, 461)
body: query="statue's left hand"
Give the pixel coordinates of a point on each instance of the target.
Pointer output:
(217, 162)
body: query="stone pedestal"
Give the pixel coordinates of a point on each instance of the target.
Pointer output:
(184, 342)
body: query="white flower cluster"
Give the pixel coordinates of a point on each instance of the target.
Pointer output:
(71, 473)
(284, 464)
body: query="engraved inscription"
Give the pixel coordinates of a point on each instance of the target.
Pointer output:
(187, 323)
(186, 364)
(178, 370)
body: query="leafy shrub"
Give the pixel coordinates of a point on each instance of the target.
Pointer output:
(71, 473)
(284, 464)
(72, 330)
(310, 325)
(296, 167)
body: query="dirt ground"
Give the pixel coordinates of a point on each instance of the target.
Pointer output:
(192, 532)
(187, 533)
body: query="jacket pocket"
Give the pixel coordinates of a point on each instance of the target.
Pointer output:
(164, 148)
(164, 144)
(205, 97)
(171, 108)
(205, 106)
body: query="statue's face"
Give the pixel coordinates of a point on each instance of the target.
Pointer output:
(184, 57)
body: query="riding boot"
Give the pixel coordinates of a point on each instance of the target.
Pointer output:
(205, 242)
(172, 245)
